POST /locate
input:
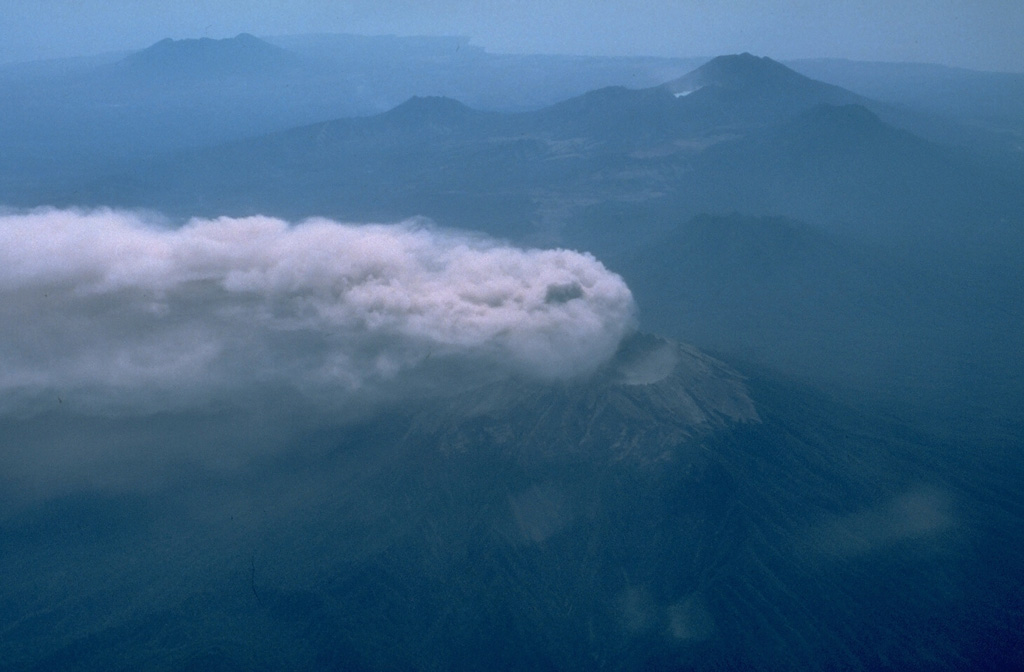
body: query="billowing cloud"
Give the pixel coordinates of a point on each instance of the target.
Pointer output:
(112, 312)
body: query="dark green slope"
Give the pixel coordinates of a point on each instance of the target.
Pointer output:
(990, 101)
(922, 323)
(843, 167)
(668, 514)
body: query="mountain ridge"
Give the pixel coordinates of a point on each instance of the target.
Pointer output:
(610, 144)
(208, 58)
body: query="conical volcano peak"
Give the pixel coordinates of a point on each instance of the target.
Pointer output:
(745, 69)
(741, 71)
(432, 107)
(647, 404)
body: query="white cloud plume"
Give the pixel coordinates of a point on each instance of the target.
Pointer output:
(110, 310)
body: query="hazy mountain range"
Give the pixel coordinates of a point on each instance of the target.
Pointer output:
(616, 169)
(234, 439)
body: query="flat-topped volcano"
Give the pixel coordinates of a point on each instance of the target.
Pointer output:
(207, 58)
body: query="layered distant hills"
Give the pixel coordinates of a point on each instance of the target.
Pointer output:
(66, 119)
(750, 136)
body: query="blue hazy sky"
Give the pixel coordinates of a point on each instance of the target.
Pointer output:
(981, 34)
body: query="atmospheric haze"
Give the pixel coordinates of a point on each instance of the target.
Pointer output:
(258, 411)
(122, 314)
(982, 34)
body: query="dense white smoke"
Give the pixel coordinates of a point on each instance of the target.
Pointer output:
(108, 311)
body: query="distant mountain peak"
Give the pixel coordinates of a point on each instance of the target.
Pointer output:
(203, 56)
(743, 89)
(443, 103)
(430, 108)
(742, 71)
